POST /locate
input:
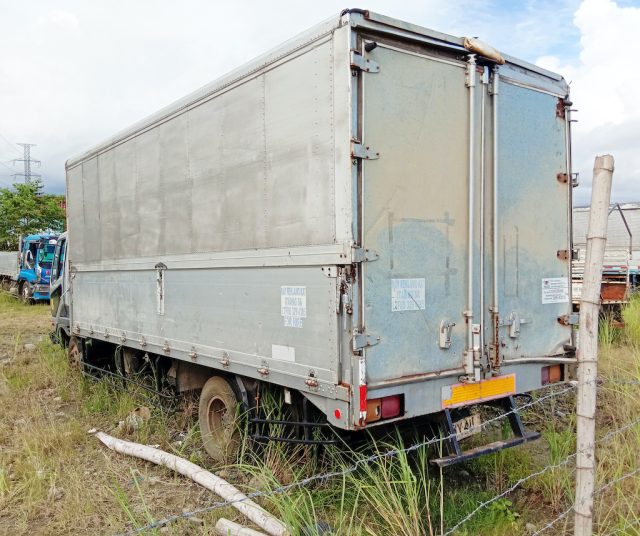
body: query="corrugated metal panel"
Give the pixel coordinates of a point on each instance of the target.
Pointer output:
(617, 235)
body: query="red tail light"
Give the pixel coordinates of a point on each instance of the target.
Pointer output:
(391, 406)
(551, 374)
(384, 408)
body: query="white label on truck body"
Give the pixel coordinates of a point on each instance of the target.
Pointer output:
(555, 290)
(407, 294)
(283, 353)
(293, 305)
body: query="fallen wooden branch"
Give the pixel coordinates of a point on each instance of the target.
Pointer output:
(218, 485)
(224, 527)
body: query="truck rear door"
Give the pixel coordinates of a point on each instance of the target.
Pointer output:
(533, 211)
(415, 216)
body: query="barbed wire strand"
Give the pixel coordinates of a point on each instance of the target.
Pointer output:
(344, 472)
(595, 492)
(352, 468)
(607, 437)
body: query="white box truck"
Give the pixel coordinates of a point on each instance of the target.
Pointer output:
(373, 217)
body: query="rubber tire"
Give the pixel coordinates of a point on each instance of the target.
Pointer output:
(26, 292)
(218, 415)
(74, 352)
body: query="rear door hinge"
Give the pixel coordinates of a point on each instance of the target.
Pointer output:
(359, 254)
(363, 340)
(572, 319)
(358, 61)
(563, 254)
(360, 151)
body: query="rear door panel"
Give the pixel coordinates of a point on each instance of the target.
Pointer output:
(415, 212)
(533, 211)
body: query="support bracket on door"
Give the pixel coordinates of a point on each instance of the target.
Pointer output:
(514, 322)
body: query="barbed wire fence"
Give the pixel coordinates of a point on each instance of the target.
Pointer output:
(352, 468)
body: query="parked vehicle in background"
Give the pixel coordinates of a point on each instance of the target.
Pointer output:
(59, 297)
(26, 273)
(9, 262)
(621, 266)
(372, 220)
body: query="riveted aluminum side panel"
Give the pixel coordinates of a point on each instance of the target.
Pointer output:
(253, 167)
(241, 196)
(233, 311)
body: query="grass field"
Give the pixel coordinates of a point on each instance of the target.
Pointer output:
(57, 479)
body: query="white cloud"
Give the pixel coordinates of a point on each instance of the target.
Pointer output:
(604, 88)
(77, 72)
(74, 75)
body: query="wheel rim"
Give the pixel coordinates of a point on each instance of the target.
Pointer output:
(25, 292)
(218, 416)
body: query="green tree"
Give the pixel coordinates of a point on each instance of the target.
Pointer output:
(25, 209)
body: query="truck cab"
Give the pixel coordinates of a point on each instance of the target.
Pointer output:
(36, 257)
(59, 285)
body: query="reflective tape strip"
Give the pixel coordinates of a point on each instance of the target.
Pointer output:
(463, 394)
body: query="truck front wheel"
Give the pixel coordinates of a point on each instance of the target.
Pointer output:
(219, 418)
(26, 292)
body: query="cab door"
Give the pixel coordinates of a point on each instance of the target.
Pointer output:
(59, 308)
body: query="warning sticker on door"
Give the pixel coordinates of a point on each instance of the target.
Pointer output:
(407, 294)
(293, 305)
(555, 290)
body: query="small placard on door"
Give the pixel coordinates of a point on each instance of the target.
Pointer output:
(407, 294)
(555, 290)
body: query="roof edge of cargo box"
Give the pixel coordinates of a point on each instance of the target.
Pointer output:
(356, 17)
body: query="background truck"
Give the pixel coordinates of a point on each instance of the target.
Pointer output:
(58, 290)
(26, 272)
(621, 265)
(372, 219)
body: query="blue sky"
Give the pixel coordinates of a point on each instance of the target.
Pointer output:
(75, 72)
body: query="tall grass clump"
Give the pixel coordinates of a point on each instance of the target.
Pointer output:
(631, 317)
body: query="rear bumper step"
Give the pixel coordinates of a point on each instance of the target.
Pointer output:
(484, 449)
(457, 455)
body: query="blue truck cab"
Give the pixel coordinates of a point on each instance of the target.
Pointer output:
(36, 257)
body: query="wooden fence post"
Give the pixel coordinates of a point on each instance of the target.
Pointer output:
(588, 344)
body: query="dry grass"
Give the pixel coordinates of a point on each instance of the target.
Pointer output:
(56, 479)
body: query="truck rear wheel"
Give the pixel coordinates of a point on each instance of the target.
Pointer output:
(74, 352)
(219, 420)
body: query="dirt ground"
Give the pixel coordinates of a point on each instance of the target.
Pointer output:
(54, 477)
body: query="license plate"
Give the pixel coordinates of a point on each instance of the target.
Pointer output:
(467, 426)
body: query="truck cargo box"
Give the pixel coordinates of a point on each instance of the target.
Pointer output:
(8, 264)
(372, 210)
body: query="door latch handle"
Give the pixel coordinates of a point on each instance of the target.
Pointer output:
(445, 333)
